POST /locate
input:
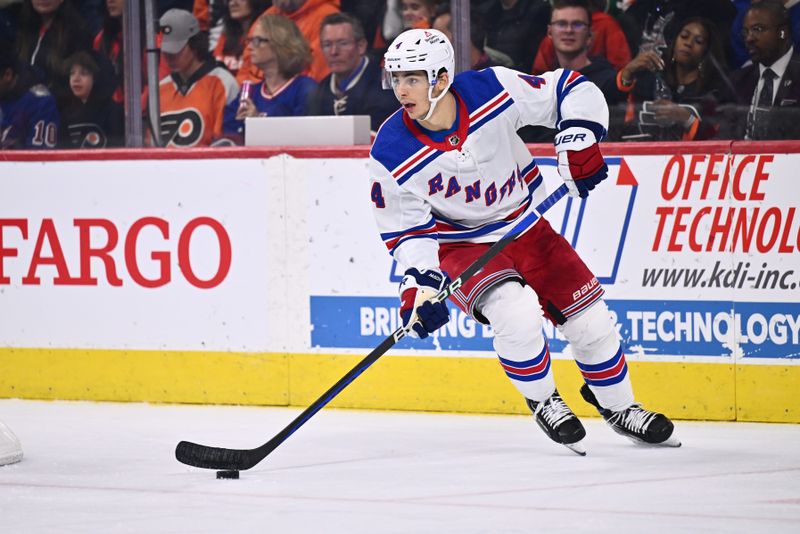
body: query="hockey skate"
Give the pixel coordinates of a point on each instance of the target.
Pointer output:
(635, 423)
(559, 423)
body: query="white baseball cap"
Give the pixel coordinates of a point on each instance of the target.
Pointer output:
(177, 27)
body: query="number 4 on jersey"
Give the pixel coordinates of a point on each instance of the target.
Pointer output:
(377, 195)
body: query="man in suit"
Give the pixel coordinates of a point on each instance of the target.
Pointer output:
(354, 85)
(769, 88)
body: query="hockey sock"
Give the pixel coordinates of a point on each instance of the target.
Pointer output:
(516, 317)
(601, 361)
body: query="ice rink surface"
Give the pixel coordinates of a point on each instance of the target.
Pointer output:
(96, 467)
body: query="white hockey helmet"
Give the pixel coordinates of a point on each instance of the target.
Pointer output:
(426, 50)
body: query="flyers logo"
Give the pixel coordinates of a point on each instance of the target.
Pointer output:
(182, 128)
(87, 135)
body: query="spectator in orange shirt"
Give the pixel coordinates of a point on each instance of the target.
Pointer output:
(608, 41)
(194, 96)
(308, 15)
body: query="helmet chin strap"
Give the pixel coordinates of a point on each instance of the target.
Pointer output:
(434, 101)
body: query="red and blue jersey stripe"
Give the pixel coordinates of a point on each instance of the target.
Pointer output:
(392, 240)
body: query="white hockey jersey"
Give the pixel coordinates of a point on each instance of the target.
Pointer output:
(474, 182)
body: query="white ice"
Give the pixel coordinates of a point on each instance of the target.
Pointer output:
(103, 467)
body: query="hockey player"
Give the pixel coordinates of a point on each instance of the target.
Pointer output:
(450, 176)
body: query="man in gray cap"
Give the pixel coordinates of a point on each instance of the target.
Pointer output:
(196, 92)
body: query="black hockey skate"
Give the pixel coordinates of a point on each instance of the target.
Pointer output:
(559, 423)
(636, 423)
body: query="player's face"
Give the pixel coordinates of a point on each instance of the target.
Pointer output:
(691, 45)
(569, 29)
(411, 89)
(115, 8)
(261, 51)
(81, 82)
(341, 50)
(414, 12)
(46, 7)
(239, 9)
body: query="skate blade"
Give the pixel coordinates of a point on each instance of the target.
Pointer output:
(576, 447)
(671, 441)
(11, 459)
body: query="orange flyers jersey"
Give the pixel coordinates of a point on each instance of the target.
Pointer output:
(192, 112)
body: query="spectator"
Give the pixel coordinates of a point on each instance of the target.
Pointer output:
(740, 55)
(354, 85)
(682, 103)
(516, 28)
(308, 15)
(28, 113)
(608, 41)
(417, 13)
(51, 31)
(90, 119)
(194, 96)
(571, 32)
(644, 13)
(281, 52)
(771, 84)
(108, 44)
(236, 22)
(479, 59)
(400, 15)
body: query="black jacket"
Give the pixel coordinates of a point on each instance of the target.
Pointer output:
(783, 121)
(366, 97)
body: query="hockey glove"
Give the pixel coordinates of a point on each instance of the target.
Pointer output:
(580, 162)
(416, 309)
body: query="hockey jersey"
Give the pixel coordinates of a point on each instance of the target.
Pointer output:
(29, 120)
(475, 181)
(288, 101)
(192, 111)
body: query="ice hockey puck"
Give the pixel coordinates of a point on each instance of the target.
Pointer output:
(228, 474)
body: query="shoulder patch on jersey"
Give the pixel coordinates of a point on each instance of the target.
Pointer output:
(40, 90)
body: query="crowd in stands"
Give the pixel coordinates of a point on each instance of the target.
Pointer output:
(669, 69)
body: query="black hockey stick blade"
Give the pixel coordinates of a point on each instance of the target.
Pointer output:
(221, 458)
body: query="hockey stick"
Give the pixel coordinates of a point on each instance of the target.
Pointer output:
(241, 459)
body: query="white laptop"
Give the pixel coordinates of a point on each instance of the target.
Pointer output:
(307, 131)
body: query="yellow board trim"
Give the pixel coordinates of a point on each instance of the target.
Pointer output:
(149, 376)
(703, 391)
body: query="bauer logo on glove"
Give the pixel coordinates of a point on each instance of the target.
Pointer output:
(421, 316)
(580, 162)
